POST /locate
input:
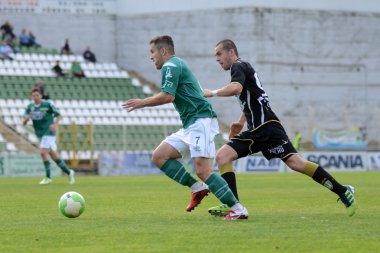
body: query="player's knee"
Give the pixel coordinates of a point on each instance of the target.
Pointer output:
(296, 163)
(158, 159)
(222, 158)
(44, 152)
(202, 175)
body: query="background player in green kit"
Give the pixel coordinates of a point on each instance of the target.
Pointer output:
(45, 117)
(200, 126)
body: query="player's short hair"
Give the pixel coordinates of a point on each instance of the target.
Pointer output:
(228, 45)
(163, 41)
(36, 90)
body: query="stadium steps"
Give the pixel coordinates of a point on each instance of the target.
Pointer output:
(12, 136)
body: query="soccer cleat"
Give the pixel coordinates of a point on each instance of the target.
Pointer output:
(45, 181)
(196, 198)
(237, 215)
(221, 210)
(348, 200)
(72, 179)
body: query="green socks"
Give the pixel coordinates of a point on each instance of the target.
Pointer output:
(62, 165)
(47, 168)
(219, 187)
(176, 171)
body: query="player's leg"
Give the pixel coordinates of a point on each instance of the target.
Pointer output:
(224, 158)
(202, 148)
(279, 145)
(165, 158)
(240, 146)
(321, 176)
(61, 164)
(49, 142)
(219, 187)
(45, 158)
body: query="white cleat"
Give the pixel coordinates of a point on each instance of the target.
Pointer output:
(45, 181)
(237, 215)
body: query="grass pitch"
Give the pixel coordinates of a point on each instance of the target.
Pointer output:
(288, 213)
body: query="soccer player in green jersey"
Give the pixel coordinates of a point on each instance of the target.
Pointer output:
(45, 117)
(265, 132)
(180, 87)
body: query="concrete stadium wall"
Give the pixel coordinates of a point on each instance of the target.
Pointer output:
(96, 31)
(319, 68)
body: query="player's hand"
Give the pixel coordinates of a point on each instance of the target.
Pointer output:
(207, 92)
(235, 129)
(24, 122)
(133, 104)
(52, 127)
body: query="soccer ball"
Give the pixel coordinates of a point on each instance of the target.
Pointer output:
(71, 204)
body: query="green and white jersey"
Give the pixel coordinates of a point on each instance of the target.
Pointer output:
(42, 116)
(179, 81)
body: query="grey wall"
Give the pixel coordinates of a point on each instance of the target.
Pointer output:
(319, 68)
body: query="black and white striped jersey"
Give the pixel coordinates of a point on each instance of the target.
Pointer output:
(253, 99)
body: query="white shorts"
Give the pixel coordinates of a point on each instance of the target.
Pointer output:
(197, 140)
(48, 142)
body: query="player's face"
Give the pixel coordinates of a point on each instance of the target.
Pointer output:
(223, 57)
(36, 97)
(156, 56)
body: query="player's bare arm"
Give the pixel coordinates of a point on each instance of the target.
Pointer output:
(231, 89)
(158, 99)
(25, 121)
(237, 126)
(53, 127)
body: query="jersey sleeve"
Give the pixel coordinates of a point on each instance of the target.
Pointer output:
(170, 77)
(27, 111)
(237, 73)
(54, 110)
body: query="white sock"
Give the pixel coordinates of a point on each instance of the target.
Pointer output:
(198, 186)
(237, 207)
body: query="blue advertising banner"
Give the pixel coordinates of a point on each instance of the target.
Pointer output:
(258, 163)
(125, 163)
(374, 160)
(131, 163)
(339, 161)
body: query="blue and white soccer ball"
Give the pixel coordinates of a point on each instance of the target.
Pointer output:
(71, 204)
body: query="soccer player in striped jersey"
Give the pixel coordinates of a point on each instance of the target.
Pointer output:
(180, 87)
(46, 117)
(265, 132)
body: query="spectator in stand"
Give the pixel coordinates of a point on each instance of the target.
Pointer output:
(88, 55)
(65, 49)
(6, 51)
(7, 31)
(32, 40)
(41, 86)
(58, 70)
(24, 38)
(76, 70)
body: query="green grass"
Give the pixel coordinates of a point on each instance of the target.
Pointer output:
(288, 213)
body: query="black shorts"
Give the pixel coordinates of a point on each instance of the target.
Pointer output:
(270, 138)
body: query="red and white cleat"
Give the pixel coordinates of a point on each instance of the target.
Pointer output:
(196, 198)
(237, 215)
